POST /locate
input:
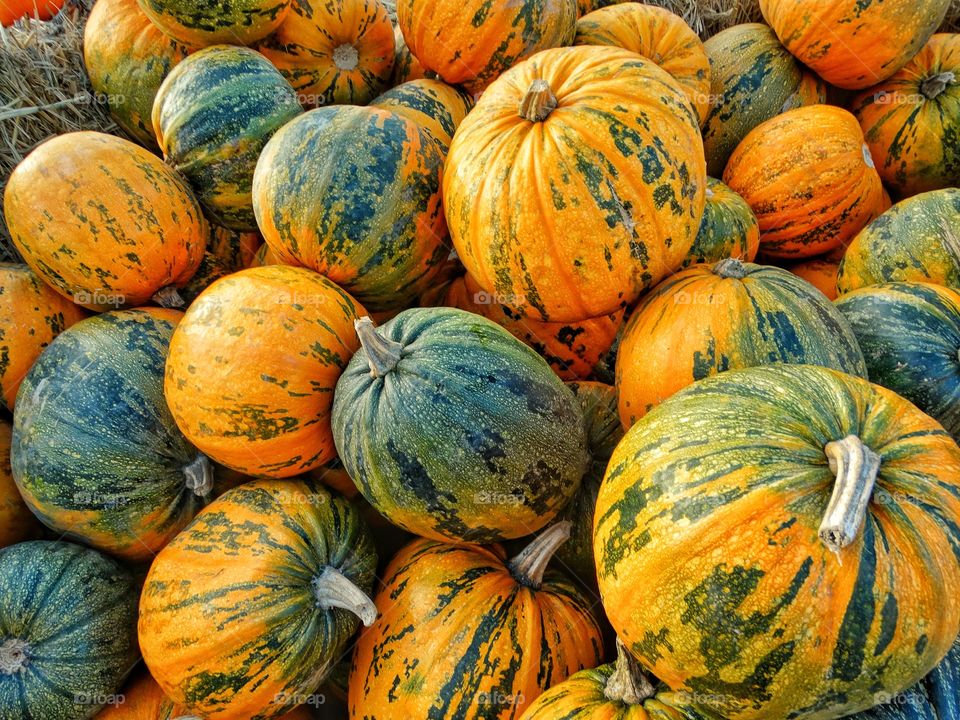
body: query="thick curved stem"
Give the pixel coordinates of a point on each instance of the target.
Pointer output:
(14, 656)
(529, 566)
(383, 354)
(628, 684)
(932, 86)
(730, 268)
(168, 297)
(538, 102)
(333, 589)
(199, 475)
(856, 467)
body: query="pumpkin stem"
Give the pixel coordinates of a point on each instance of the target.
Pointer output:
(856, 467)
(199, 474)
(628, 684)
(333, 589)
(168, 297)
(932, 86)
(14, 656)
(383, 354)
(346, 57)
(730, 268)
(529, 566)
(538, 102)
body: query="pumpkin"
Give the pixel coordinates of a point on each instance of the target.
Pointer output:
(17, 523)
(917, 240)
(853, 44)
(712, 318)
(127, 57)
(266, 256)
(235, 22)
(252, 367)
(334, 52)
(405, 66)
(466, 633)
(589, 194)
(575, 350)
(320, 214)
(116, 226)
(782, 590)
(31, 316)
(68, 633)
(910, 335)
(728, 228)
(752, 79)
(13, 10)
(912, 120)
(454, 429)
(213, 115)
(211, 269)
(809, 178)
(432, 104)
(658, 35)
(248, 609)
(450, 272)
(821, 272)
(234, 249)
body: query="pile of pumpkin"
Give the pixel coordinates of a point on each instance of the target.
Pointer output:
(452, 333)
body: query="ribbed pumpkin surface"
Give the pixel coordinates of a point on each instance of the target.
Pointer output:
(235, 22)
(432, 104)
(17, 523)
(728, 228)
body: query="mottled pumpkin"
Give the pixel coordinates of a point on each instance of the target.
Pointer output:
(432, 104)
(728, 228)
(851, 43)
(589, 194)
(800, 528)
(234, 22)
(211, 269)
(17, 523)
(116, 225)
(730, 315)
(405, 66)
(247, 610)
(234, 249)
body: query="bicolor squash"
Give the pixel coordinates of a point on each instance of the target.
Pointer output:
(233, 22)
(234, 249)
(405, 66)
(247, 610)
(116, 227)
(802, 542)
(432, 104)
(455, 430)
(588, 194)
(728, 228)
(17, 523)
(713, 318)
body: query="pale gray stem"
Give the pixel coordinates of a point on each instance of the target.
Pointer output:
(730, 268)
(168, 297)
(383, 354)
(332, 589)
(529, 566)
(932, 86)
(628, 684)
(856, 467)
(199, 475)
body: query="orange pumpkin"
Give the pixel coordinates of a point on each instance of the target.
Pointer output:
(13, 10)
(17, 523)
(234, 250)
(405, 66)
(821, 272)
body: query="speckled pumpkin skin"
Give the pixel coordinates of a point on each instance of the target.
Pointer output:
(17, 523)
(716, 497)
(233, 22)
(728, 228)
(432, 104)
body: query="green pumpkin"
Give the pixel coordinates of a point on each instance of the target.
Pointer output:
(213, 115)
(436, 106)
(455, 430)
(204, 22)
(68, 631)
(728, 228)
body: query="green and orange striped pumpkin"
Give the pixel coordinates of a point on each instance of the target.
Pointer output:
(234, 249)
(405, 66)
(233, 22)
(17, 523)
(728, 228)
(432, 104)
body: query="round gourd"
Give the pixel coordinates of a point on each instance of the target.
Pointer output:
(17, 523)
(728, 228)
(850, 43)
(713, 318)
(821, 272)
(917, 240)
(432, 104)
(235, 250)
(912, 120)
(799, 526)
(13, 10)
(248, 609)
(497, 632)
(588, 194)
(365, 211)
(454, 429)
(405, 66)
(202, 23)
(334, 52)
(213, 115)
(68, 630)
(809, 178)
(116, 224)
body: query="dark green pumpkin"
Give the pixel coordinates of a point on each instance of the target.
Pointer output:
(455, 430)
(728, 228)
(68, 631)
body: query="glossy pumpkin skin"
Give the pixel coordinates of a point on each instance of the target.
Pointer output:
(17, 523)
(233, 22)
(716, 497)
(753, 78)
(708, 319)
(809, 178)
(116, 224)
(619, 177)
(912, 121)
(432, 104)
(334, 53)
(322, 214)
(917, 240)
(213, 115)
(76, 611)
(728, 228)
(493, 643)
(658, 35)
(252, 367)
(853, 44)
(243, 637)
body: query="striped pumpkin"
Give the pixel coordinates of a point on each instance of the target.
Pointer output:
(235, 250)
(809, 178)
(782, 591)
(851, 43)
(432, 104)
(252, 367)
(713, 318)
(658, 35)
(17, 523)
(584, 198)
(912, 120)
(334, 52)
(116, 226)
(213, 115)
(483, 443)
(365, 211)
(910, 335)
(466, 633)
(247, 610)
(917, 240)
(68, 630)
(728, 228)
(31, 316)
(753, 78)
(235, 22)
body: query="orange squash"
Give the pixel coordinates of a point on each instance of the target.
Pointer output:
(728, 228)
(405, 66)
(821, 272)
(234, 249)
(13, 10)
(17, 523)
